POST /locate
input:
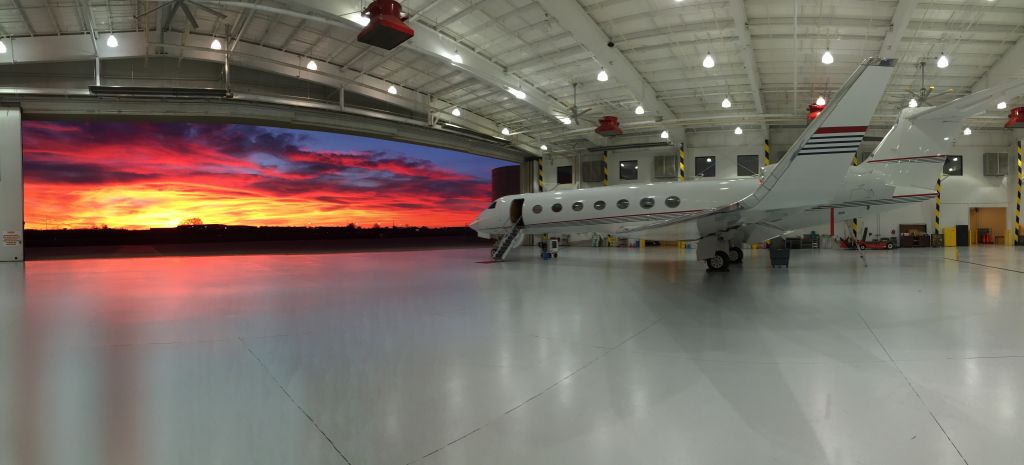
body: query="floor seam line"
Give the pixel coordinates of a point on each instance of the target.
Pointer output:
(604, 352)
(913, 389)
(981, 264)
(292, 400)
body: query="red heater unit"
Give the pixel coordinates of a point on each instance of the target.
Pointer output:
(1016, 118)
(608, 126)
(387, 28)
(813, 111)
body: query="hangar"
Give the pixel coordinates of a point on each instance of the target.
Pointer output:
(239, 231)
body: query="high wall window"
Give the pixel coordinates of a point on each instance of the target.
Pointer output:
(996, 164)
(565, 174)
(705, 166)
(954, 165)
(592, 171)
(666, 167)
(748, 165)
(629, 170)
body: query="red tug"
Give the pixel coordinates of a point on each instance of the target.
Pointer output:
(387, 28)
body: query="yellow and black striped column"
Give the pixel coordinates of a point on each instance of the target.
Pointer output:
(1020, 187)
(682, 162)
(853, 227)
(604, 167)
(540, 175)
(938, 206)
(767, 153)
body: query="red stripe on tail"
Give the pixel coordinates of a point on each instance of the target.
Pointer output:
(839, 129)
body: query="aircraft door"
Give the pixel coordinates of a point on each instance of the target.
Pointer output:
(516, 211)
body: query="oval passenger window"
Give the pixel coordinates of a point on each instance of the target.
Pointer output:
(672, 202)
(577, 206)
(538, 208)
(623, 204)
(647, 202)
(599, 205)
(556, 207)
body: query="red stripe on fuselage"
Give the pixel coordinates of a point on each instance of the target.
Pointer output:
(838, 129)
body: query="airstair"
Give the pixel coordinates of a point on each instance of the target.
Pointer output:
(508, 242)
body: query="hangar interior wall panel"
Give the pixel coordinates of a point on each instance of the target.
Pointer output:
(12, 201)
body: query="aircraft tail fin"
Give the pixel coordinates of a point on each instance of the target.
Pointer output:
(816, 164)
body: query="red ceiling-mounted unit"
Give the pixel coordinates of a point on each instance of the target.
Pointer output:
(387, 28)
(608, 126)
(813, 111)
(1016, 118)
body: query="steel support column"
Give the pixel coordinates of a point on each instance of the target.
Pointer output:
(12, 199)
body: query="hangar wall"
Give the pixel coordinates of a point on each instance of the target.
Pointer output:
(11, 190)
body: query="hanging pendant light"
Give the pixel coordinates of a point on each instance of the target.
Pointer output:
(311, 65)
(639, 110)
(505, 131)
(111, 41)
(827, 58)
(738, 130)
(1001, 106)
(943, 61)
(709, 61)
(967, 131)
(456, 112)
(215, 45)
(912, 103)
(602, 75)
(726, 103)
(664, 134)
(820, 101)
(543, 147)
(392, 90)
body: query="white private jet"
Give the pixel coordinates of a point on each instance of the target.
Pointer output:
(813, 178)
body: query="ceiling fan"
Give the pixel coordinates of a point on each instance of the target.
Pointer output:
(574, 110)
(185, 7)
(922, 95)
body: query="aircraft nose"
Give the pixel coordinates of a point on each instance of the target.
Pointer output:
(475, 224)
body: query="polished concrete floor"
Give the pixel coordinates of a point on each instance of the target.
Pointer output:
(599, 357)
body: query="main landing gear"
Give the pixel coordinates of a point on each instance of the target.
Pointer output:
(718, 253)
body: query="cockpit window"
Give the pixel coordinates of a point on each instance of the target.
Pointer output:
(493, 204)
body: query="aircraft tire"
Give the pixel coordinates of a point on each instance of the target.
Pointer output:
(735, 255)
(720, 262)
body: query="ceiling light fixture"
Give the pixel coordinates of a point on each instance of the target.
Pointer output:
(967, 131)
(517, 93)
(456, 58)
(543, 147)
(111, 41)
(726, 103)
(456, 112)
(943, 61)
(738, 130)
(709, 61)
(506, 132)
(639, 110)
(565, 120)
(1001, 106)
(820, 101)
(215, 45)
(392, 90)
(602, 75)
(827, 58)
(311, 65)
(912, 103)
(664, 134)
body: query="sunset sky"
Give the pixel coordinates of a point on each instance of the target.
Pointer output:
(143, 175)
